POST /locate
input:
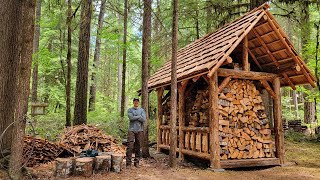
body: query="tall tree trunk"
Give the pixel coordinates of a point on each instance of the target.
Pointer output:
(119, 77)
(80, 108)
(21, 107)
(208, 16)
(173, 107)
(69, 65)
(10, 14)
(96, 58)
(146, 44)
(124, 63)
(309, 110)
(36, 40)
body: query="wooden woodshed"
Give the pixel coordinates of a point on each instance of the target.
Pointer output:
(221, 115)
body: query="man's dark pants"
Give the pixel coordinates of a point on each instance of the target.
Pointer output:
(133, 144)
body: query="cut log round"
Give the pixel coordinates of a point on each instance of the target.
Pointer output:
(102, 163)
(116, 164)
(64, 167)
(83, 166)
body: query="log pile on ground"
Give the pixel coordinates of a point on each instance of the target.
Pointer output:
(84, 137)
(37, 151)
(73, 142)
(243, 125)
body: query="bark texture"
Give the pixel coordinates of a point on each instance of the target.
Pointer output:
(10, 14)
(26, 43)
(80, 109)
(173, 113)
(146, 38)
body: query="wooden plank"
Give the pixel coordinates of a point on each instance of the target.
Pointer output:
(245, 61)
(214, 122)
(216, 66)
(266, 85)
(246, 75)
(159, 116)
(181, 91)
(250, 162)
(281, 61)
(279, 134)
(284, 68)
(224, 83)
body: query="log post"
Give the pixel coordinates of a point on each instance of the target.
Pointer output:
(64, 167)
(84, 166)
(245, 61)
(279, 136)
(102, 163)
(159, 119)
(214, 123)
(116, 162)
(181, 91)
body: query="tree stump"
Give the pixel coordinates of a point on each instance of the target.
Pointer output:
(102, 163)
(117, 162)
(84, 166)
(64, 167)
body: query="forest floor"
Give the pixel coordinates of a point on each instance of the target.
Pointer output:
(302, 159)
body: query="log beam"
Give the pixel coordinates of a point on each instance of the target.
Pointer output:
(159, 116)
(221, 61)
(214, 122)
(284, 68)
(289, 81)
(266, 48)
(255, 59)
(224, 83)
(279, 134)
(245, 61)
(266, 85)
(181, 90)
(251, 75)
(282, 39)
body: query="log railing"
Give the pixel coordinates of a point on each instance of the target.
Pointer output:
(195, 141)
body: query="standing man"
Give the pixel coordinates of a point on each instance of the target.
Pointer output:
(136, 116)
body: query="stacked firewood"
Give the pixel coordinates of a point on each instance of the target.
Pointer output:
(166, 112)
(84, 137)
(199, 115)
(37, 151)
(243, 125)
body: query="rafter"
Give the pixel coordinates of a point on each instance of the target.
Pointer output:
(266, 48)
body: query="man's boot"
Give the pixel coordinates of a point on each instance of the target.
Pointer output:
(136, 164)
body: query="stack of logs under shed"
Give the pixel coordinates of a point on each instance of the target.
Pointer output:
(244, 130)
(243, 125)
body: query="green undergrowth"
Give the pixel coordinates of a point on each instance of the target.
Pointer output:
(51, 126)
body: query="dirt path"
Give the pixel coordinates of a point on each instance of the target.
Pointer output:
(157, 169)
(305, 166)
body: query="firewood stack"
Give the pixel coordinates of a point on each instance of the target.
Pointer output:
(84, 137)
(199, 115)
(243, 125)
(37, 151)
(166, 112)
